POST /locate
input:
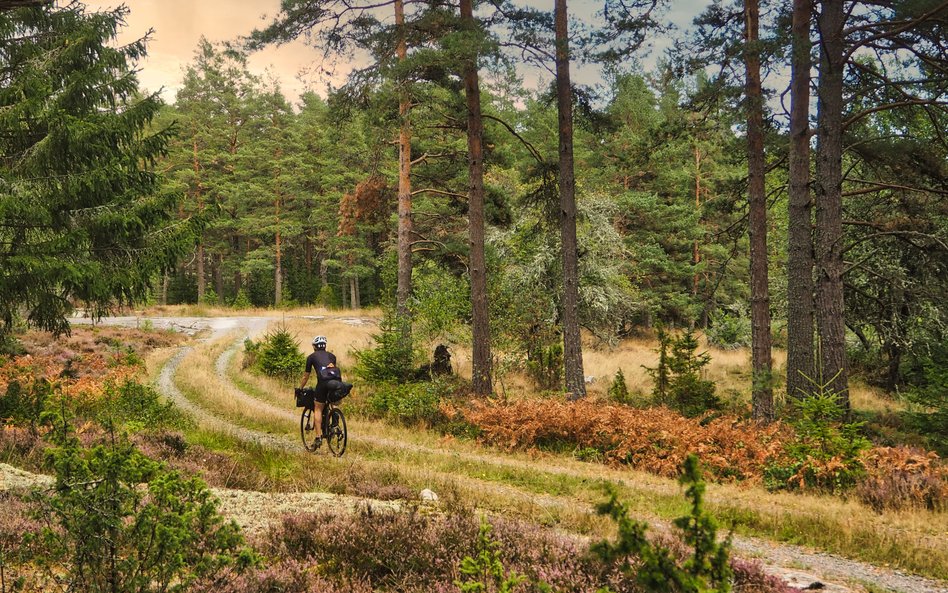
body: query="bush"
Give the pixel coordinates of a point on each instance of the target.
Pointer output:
(390, 360)
(618, 390)
(137, 407)
(655, 567)
(407, 402)
(241, 301)
(931, 395)
(826, 453)
(103, 532)
(279, 355)
(24, 402)
(902, 477)
(677, 377)
(729, 330)
(545, 366)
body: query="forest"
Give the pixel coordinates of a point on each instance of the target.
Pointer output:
(774, 183)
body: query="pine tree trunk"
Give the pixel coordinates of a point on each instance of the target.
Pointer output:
(165, 280)
(199, 272)
(480, 321)
(572, 346)
(829, 203)
(403, 290)
(762, 394)
(695, 251)
(358, 293)
(353, 293)
(800, 352)
(219, 278)
(278, 272)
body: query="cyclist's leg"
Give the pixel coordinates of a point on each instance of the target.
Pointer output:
(318, 404)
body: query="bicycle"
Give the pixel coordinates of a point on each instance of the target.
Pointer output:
(333, 424)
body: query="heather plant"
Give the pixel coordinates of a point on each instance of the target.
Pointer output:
(656, 567)
(102, 532)
(827, 451)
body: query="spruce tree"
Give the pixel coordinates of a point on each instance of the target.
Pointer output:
(82, 221)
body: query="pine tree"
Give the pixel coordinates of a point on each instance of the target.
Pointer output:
(83, 221)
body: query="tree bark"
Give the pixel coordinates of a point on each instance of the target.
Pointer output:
(403, 290)
(800, 352)
(199, 200)
(762, 395)
(572, 346)
(480, 321)
(829, 203)
(199, 272)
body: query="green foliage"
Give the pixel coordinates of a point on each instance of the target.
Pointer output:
(442, 303)
(104, 533)
(618, 390)
(241, 301)
(137, 407)
(391, 359)
(677, 377)
(278, 355)
(210, 297)
(25, 403)
(931, 397)
(408, 402)
(485, 572)
(82, 217)
(545, 366)
(706, 570)
(826, 453)
(729, 329)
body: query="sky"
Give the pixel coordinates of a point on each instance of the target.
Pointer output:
(179, 24)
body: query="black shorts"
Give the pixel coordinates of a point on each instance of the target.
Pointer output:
(332, 391)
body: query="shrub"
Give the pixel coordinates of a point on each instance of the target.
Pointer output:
(102, 532)
(25, 401)
(729, 329)
(656, 440)
(901, 477)
(826, 453)
(241, 300)
(677, 376)
(279, 355)
(137, 407)
(392, 359)
(407, 402)
(618, 390)
(485, 571)
(931, 395)
(545, 366)
(655, 567)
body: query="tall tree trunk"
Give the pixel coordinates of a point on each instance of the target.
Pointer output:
(572, 346)
(800, 352)
(480, 321)
(278, 271)
(354, 293)
(199, 200)
(165, 280)
(403, 290)
(219, 278)
(695, 251)
(199, 272)
(761, 391)
(829, 203)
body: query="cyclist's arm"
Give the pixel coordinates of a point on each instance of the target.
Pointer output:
(305, 380)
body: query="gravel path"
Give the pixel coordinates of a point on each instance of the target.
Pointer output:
(256, 510)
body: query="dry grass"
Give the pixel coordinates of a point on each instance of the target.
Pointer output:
(197, 378)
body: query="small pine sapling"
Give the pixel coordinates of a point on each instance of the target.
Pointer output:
(654, 566)
(485, 572)
(618, 390)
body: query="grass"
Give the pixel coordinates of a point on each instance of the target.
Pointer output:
(545, 488)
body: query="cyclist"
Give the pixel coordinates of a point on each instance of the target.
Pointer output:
(327, 377)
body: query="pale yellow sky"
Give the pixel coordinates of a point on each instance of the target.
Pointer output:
(178, 26)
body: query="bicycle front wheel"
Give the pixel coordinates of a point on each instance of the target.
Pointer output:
(337, 436)
(308, 430)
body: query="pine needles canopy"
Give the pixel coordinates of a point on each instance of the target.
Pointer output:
(82, 217)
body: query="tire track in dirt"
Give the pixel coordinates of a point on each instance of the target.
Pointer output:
(779, 559)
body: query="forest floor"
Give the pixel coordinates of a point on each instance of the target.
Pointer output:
(203, 377)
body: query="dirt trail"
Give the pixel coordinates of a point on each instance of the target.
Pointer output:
(254, 510)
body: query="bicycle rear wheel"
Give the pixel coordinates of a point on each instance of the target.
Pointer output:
(308, 430)
(336, 434)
